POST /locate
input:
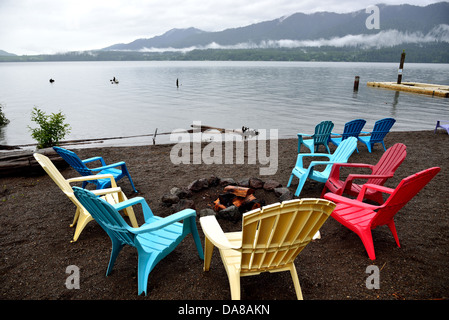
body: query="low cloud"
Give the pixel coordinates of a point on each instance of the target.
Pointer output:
(382, 39)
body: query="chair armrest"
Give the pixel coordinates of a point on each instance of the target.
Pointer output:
(383, 189)
(215, 234)
(302, 155)
(94, 177)
(303, 134)
(163, 222)
(335, 171)
(117, 164)
(353, 176)
(353, 202)
(94, 159)
(100, 192)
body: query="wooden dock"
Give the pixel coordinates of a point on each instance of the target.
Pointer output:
(415, 87)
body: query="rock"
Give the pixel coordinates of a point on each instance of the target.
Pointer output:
(227, 181)
(206, 212)
(243, 183)
(197, 185)
(286, 196)
(174, 190)
(184, 204)
(170, 198)
(213, 181)
(230, 213)
(270, 185)
(255, 183)
(183, 193)
(280, 191)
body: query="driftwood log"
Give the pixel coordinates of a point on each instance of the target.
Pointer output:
(22, 163)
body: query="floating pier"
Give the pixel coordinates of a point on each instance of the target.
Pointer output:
(415, 87)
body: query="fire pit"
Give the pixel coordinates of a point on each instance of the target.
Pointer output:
(240, 197)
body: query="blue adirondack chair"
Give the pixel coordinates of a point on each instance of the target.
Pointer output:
(118, 170)
(380, 130)
(351, 129)
(320, 137)
(154, 240)
(341, 155)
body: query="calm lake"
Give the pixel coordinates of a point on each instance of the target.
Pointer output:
(291, 97)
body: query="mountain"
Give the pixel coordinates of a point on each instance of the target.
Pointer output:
(6, 54)
(163, 41)
(398, 23)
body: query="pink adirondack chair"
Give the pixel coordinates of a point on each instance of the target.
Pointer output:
(380, 173)
(361, 217)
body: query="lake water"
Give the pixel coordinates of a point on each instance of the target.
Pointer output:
(288, 96)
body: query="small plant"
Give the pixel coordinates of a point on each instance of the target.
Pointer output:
(51, 128)
(3, 120)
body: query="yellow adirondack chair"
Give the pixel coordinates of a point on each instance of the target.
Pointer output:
(270, 240)
(82, 217)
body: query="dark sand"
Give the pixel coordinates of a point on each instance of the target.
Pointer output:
(35, 236)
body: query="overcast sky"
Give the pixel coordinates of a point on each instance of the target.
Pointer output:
(52, 26)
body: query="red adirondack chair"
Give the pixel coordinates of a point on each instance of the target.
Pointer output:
(361, 217)
(380, 173)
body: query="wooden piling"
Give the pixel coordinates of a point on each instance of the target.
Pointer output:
(356, 83)
(401, 67)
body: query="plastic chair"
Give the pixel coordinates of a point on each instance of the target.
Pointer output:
(361, 217)
(351, 129)
(442, 124)
(320, 137)
(154, 240)
(380, 130)
(341, 155)
(118, 170)
(270, 240)
(82, 217)
(380, 173)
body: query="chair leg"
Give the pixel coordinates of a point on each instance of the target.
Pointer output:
(234, 284)
(208, 250)
(367, 239)
(392, 228)
(323, 192)
(290, 180)
(116, 248)
(296, 284)
(83, 220)
(145, 265)
(302, 181)
(196, 237)
(75, 218)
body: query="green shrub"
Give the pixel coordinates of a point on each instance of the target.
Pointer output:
(3, 119)
(51, 128)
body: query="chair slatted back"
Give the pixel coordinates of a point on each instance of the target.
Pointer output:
(353, 128)
(381, 128)
(272, 236)
(106, 215)
(403, 193)
(53, 172)
(322, 132)
(74, 161)
(388, 163)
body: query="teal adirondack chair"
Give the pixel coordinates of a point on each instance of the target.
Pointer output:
(380, 130)
(351, 129)
(341, 155)
(154, 240)
(320, 137)
(118, 170)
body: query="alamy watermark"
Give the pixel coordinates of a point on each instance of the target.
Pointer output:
(73, 280)
(373, 20)
(373, 280)
(189, 150)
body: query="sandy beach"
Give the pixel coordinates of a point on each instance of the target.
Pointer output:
(36, 249)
